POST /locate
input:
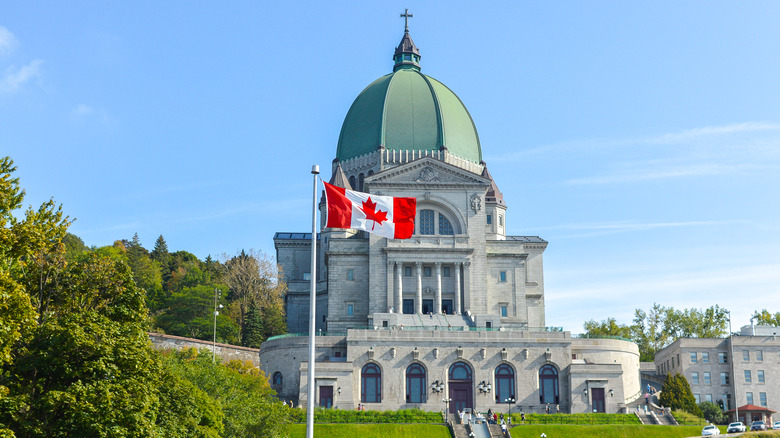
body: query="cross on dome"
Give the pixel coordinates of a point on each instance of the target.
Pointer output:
(406, 16)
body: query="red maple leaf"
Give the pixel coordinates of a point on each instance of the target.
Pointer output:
(378, 216)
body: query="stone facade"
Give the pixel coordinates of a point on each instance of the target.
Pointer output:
(455, 312)
(750, 377)
(226, 352)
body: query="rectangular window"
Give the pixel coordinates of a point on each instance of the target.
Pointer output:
(697, 397)
(427, 271)
(722, 358)
(672, 362)
(678, 360)
(762, 397)
(760, 356)
(502, 276)
(726, 400)
(489, 219)
(503, 311)
(724, 378)
(445, 271)
(407, 271)
(500, 220)
(350, 309)
(760, 376)
(746, 355)
(350, 274)
(705, 358)
(748, 377)
(708, 398)
(749, 397)
(707, 378)
(694, 358)
(694, 378)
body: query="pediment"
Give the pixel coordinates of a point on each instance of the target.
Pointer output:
(426, 171)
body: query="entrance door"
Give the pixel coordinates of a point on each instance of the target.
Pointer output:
(427, 306)
(461, 397)
(597, 395)
(408, 306)
(326, 396)
(446, 306)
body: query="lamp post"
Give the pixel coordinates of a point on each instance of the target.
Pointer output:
(733, 376)
(217, 295)
(510, 400)
(446, 401)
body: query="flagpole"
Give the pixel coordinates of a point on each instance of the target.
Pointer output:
(315, 170)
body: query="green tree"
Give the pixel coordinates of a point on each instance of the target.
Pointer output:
(694, 323)
(256, 285)
(648, 332)
(677, 394)
(608, 327)
(765, 318)
(712, 412)
(190, 313)
(74, 247)
(248, 403)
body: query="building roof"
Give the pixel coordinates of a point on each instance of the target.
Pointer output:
(408, 111)
(293, 236)
(526, 239)
(493, 195)
(753, 408)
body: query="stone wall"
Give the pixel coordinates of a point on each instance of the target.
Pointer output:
(225, 351)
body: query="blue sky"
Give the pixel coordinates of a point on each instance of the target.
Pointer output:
(641, 139)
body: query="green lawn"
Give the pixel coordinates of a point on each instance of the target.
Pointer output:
(606, 431)
(371, 431)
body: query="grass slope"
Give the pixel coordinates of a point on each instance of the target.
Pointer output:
(371, 431)
(605, 431)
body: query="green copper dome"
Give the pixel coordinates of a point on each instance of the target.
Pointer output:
(407, 110)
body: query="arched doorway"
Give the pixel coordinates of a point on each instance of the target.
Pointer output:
(461, 386)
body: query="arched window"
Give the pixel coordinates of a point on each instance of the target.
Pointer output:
(426, 222)
(548, 385)
(371, 384)
(277, 379)
(415, 383)
(370, 172)
(445, 227)
(460, 371)
(361, 177)
(505, 383)
(352, 182)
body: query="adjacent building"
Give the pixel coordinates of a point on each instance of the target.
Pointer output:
(742, 371)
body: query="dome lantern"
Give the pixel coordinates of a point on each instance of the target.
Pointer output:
(407, 55)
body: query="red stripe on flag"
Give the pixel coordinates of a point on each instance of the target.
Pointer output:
(404, 210)
(339, 207)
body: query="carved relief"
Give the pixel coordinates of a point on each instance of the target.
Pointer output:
(476, 203)
(429, 174)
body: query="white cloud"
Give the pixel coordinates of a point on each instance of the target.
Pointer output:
(710, 131)
(597, 229)
(661, 172)
(7, 41)
(83, 113)
(15, 79)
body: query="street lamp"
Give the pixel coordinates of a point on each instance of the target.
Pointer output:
(217, 294)
(446, 401)
(437, 386)
(510, 400)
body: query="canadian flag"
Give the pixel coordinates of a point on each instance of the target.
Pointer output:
(384, 215)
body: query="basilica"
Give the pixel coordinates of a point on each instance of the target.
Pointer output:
(451, 318)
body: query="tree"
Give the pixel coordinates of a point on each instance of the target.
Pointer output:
(677, 394)
(712, 412)
(190, 313)
(256, 285)
(695, 323)
(648, 333)
(160, 252)
(608, 327)
(765, 318)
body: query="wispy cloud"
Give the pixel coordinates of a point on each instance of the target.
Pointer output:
(7, 41)
(595, 229)
(14, 79)
(710, 131)
(665, 172)
(271, 208)
(83, 113)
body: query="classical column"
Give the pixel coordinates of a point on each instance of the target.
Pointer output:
(399, 300)
(418, 303)
(458, 309)
(437, 301)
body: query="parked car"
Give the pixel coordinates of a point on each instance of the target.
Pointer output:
(736, 427)
(758, 425)
(776, 425)
(710, 430)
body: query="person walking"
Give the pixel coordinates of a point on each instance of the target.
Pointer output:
(647, 398)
